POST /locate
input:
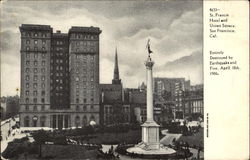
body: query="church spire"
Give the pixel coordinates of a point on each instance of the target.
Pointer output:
(116, 78)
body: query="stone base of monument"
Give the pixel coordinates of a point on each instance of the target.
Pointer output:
(150, 145)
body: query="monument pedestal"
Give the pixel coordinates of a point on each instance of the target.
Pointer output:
(150, 135)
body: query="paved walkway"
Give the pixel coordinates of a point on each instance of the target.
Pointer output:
(169, 137)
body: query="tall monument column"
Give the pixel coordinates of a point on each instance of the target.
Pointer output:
(150, 109)
(150, 129)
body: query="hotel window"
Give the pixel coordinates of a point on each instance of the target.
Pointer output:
(35, 48)
(35, 55)
(43, 48)
(43, 55)
(35, 93)
(27, 85)
(42, 100)
(77, 86)
(43, 78)
(27, 77)
(77, 43)
(27, 93)
(35, 34)
(77, 79)
(77, 108)
(27, 55)
(27, 70)
(27, 62)
(35, 108)
(84, 100)
(91, 107)
(35, 63)
(77, 100)
(43, 63)
(43, 70)
(35, 85)
(43, 108)
(26, 107)
(35, 70)
(43, 85)
(43, 35)
(27, 48)
(43, 93)
(27, 100)
(35, 41)
(44, 42)
(27, 41)
(34, 100)
(84, 108)
(35, 77)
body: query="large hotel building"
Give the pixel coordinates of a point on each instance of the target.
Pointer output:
(59, 76)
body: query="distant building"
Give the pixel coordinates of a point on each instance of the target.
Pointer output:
(114, 108)
(59, 76)
(193, 101)
(9, 106)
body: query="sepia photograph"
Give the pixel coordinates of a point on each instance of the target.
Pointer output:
(102, 80)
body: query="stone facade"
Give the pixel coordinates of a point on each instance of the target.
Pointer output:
(59, 77)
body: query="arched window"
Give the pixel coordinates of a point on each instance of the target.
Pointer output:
(77, 121)
(34, 119)
(77, 108)
(84, 121)
(92, 118)
(42, 121)
(26, 121)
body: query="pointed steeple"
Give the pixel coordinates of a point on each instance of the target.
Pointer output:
(116, 78)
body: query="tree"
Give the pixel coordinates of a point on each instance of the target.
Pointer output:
(40, 138)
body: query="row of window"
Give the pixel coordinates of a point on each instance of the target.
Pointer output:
(27, 100)
(35, 70)
(30, 34)
(35, 42)
(84, 57)
(34, 121)
(35, 85)
(36, 55)
(35, 48)
(35, 63)
(84, 79)
(85, 92)
(84, 36)
(85, 86)
(58, 61)
(35, 77)
(84, 100)
(86, 49)
(84, 108)
(85, 43)
(27, 93)
(27, 107)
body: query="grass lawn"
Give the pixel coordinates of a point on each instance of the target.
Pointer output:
(62, 152)
(131, 137)
(196, 139)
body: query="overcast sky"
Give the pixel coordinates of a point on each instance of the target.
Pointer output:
(174, 29)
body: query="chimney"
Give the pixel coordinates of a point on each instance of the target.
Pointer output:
(58, 31)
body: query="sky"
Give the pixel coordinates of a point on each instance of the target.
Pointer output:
(173, 27)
